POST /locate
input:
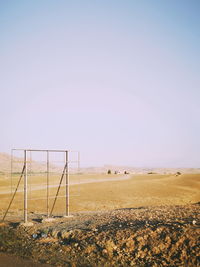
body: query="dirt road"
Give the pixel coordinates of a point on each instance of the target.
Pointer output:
(76, 182)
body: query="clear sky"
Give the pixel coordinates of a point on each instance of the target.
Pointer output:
(117, 80)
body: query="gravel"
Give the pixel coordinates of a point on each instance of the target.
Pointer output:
(146, 236)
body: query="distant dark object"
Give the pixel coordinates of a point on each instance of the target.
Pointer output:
(151, 173)
(178, 173)
(116, 172)
(109, 171)
(126, 172)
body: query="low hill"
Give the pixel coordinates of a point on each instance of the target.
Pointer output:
(37, 166)
(17, 165)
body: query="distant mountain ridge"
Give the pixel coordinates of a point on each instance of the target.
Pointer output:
(37, 166)
(5, 164)
(138, 170)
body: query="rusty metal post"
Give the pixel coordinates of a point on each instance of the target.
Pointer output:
(11, 171)
(67, 183)
(25, 187)
(47, 184)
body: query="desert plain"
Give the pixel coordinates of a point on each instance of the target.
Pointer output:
(94, 192)
(117, 220)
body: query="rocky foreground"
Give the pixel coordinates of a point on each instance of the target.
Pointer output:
(156, 236)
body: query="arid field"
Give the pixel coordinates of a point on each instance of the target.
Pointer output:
(118, 220)
(96, 192)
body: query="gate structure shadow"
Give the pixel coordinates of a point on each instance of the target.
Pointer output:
(48, 173)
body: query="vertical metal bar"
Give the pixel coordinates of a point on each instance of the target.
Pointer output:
(67, 182)
(11, 172)
(25, 186)
(78, 191)
(30, 174)
(47, 184)
(78, 162)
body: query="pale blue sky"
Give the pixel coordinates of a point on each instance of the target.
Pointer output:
(117, 80)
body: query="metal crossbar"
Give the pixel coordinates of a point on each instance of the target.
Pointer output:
(45, 150)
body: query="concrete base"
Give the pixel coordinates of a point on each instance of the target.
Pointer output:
(48, 220)
(69, 216)
(27, 224)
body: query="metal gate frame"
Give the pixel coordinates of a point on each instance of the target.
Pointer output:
(24, 173)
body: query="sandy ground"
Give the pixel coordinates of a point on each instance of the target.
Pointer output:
(136, 191)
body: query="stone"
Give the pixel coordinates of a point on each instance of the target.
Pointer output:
(65, 234)
(26, 224)
(48, 220)
(55, 233)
